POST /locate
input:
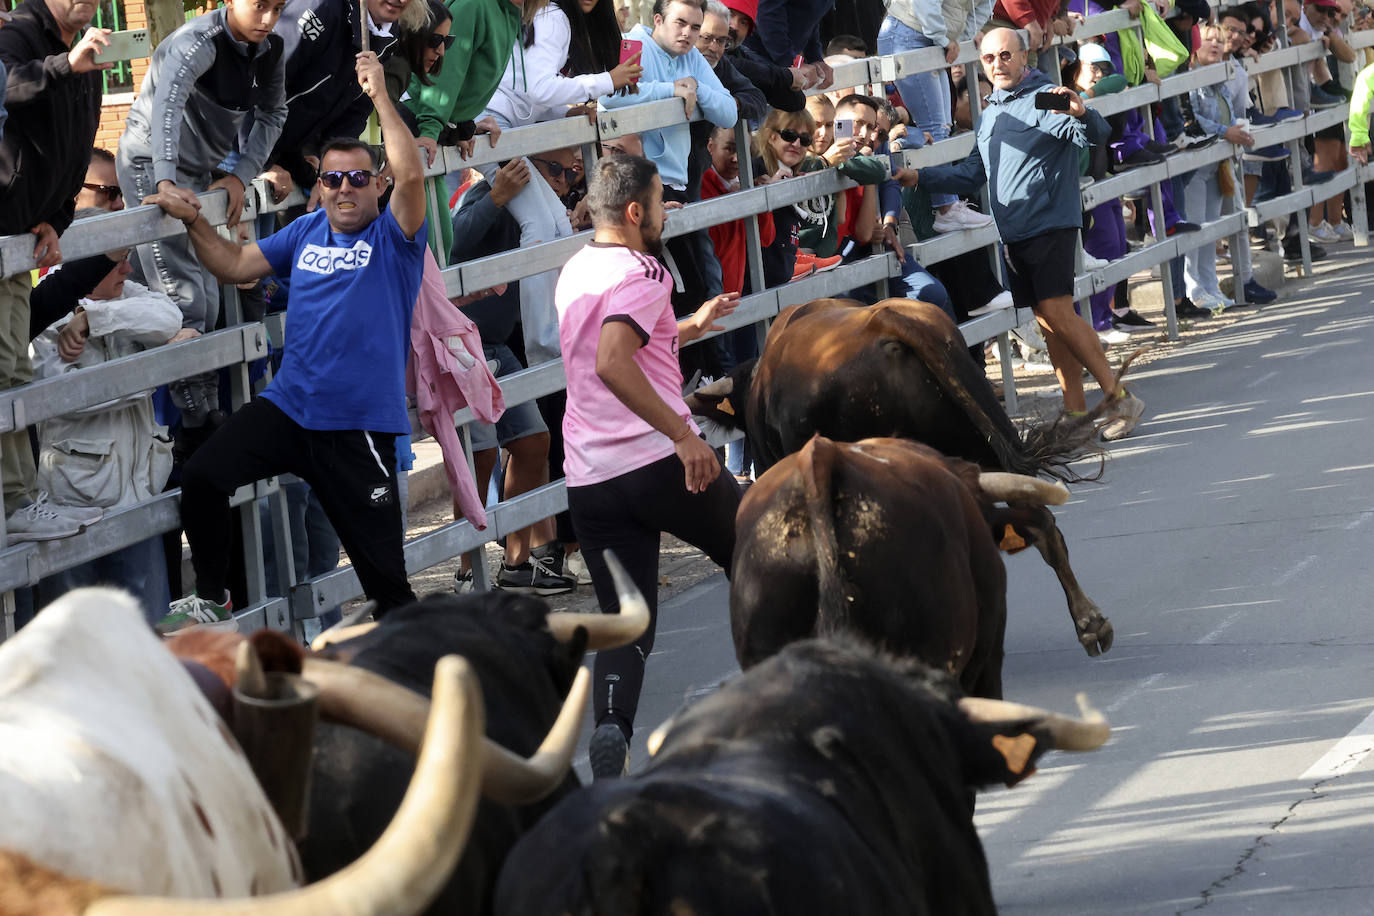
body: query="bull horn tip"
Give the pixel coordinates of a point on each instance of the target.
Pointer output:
(249, 678)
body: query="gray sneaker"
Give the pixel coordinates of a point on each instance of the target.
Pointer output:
(39, 522)
(535, 576)
(1123, 417)
(462, 583)
(84, 515)
(575, 567)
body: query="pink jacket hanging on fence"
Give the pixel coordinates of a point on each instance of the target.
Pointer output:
(446, 373)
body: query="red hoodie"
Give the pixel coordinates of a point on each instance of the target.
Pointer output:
(728, 238)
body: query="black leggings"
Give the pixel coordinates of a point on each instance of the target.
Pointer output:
(352, 472)
(627, 514)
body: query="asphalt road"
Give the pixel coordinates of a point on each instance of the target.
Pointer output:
(1230, 544)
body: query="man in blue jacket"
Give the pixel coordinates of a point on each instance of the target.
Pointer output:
(1030, 157)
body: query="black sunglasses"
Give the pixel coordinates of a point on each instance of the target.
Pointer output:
(556, 171)
(109, 190)
(334, 179)
(434, 40)
(1003, 56)
(789, 135)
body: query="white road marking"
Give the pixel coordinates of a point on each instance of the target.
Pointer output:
(1285, 577)
(1346, 754)
(1262, 379)
(1360, 520)
(1134, 692)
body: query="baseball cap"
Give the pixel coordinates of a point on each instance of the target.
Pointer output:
(1326, 4)
(748, 8)
(1093, 54)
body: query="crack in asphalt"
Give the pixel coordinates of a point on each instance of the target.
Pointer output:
(1208, 894)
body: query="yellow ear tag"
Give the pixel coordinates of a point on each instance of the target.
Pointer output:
(1011, 541)
(1016, 751)
(725, 407)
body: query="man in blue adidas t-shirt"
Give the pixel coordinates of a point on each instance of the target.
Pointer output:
(332, 414)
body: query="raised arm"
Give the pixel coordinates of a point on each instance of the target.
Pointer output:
(408, 190)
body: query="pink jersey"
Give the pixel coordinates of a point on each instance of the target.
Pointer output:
(602, 438)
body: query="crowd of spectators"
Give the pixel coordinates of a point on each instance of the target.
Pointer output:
(264, 89)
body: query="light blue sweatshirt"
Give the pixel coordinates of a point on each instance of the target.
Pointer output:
(669, 147)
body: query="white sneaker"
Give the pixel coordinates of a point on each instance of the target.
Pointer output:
(1210, 301)
(575, 567)
(1343, 231)
(1322, 232)
(1113, 336)
(998, 302)
(38, 522)
(1217, 295)
(1092, 263)
(960, 216)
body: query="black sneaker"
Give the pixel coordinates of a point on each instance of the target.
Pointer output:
(552, 555)
(1133, 323)
(533, 577)
(609, 752)
(1141, 157)
(1186, 309)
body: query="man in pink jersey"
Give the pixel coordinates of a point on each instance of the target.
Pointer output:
(634, 461)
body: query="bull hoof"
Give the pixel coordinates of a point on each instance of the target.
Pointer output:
(1096, 636)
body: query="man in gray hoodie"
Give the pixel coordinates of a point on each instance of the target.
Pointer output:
(1029, 155)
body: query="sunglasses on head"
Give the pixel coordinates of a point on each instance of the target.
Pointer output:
(789, 135)
(334, 179)
(435, 40)
(1003, 56)
(109, 190)
(556, 171)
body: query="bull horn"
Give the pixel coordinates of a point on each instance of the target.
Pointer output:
(369, 702)
(607, 631)
(719, 388)
(1018, 488)
(412, 860)
(338, 634)
(350, 625)
(1068, 734)
(249, 681)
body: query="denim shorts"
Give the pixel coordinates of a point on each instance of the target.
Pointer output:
(519, 420)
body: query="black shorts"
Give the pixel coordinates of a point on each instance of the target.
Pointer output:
(1041, 267)
(1334, 132)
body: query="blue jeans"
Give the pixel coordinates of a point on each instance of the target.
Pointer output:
(138, 569)
(926, 95)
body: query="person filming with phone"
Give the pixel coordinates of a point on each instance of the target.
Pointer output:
(1027, 152)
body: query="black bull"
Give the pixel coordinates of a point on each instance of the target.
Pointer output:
(358, 780)
(885, 538)
(827, 779)
(900, 369)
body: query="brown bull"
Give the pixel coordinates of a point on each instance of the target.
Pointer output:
(837, 368)
(884, 538)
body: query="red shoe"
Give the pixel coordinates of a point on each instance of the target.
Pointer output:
(803, 268)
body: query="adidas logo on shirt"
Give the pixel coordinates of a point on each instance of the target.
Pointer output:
(319, 259)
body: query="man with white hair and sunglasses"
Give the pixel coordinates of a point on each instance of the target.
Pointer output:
(332, 413)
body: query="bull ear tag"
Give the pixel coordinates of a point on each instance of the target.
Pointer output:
(1011, 541)
(726, 407)
(1016, 751)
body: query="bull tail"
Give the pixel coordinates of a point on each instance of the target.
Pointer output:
(1057, 443)
(816, 463)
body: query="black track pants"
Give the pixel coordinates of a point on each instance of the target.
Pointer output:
(353, 473)
(627, 514)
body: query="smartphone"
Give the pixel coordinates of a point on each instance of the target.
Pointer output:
(844, 127)
(629, 48)
(897, 161)
(130, 45)
(1051, 101)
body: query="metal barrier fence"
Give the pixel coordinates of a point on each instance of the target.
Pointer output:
(24, 564)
